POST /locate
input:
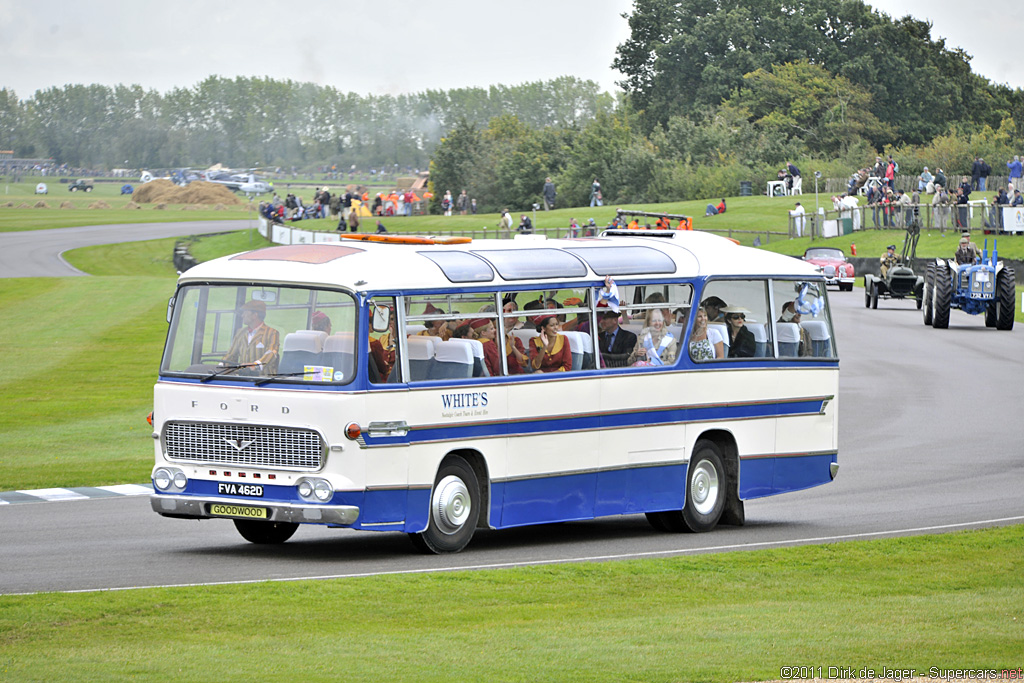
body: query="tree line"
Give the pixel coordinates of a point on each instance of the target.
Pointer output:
(259, 122)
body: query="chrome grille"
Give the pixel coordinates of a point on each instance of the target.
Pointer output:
(248, 445)
(830, 271)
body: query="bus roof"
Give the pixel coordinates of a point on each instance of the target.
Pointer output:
(528, 259)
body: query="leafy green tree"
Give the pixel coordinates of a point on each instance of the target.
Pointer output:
(803, 101)
(456, 157)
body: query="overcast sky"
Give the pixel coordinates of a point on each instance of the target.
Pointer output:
(381, 47)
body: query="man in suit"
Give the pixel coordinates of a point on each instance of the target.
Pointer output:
(615, 343)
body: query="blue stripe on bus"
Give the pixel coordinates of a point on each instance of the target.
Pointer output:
(605, 420)
(562, 498)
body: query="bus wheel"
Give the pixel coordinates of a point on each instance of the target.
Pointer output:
(705, 488)
(256, 531)
(454, 509)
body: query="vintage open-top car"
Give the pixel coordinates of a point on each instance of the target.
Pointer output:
(833, 265)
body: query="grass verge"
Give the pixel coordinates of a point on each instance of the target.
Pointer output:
(949, 601)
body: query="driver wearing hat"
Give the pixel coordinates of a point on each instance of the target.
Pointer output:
(967, 252)
(255, 345)
(888, 259)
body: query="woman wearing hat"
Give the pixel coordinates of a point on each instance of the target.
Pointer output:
(485, 331)
(549, 351)
(741, 340)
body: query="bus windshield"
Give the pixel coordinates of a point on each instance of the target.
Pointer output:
(257, 333)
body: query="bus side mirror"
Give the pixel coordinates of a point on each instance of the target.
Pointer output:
(381, 318)
(170, 308)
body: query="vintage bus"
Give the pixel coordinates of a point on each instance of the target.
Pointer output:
(434, 387)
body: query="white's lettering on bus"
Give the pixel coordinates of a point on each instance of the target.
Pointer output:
(464, 404)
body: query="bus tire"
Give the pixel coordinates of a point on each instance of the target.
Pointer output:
(454, 509)
(265, 533)
(706, 487)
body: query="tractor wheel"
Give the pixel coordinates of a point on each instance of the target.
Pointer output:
(1006, 290)
(927, 296)
(942, 297)
(992, 312)
(874, 295)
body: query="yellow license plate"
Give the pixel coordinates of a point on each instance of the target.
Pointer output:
(245, 511)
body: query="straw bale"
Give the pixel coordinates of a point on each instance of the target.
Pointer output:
(197, 192)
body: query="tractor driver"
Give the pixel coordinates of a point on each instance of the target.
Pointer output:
(888, 259)
(967, 252)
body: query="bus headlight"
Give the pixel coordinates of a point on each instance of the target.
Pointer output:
(322, 490)
(315, 490)
(169, 479)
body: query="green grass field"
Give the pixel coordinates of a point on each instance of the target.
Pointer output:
(949, 601)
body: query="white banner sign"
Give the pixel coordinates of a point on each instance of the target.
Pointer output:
(1013, 218)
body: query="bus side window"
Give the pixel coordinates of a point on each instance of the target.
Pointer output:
(733, 313)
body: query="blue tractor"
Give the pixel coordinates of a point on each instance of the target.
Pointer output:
(985, 286)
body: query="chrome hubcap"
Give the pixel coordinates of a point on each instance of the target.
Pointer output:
(451, 504)
(704, 488)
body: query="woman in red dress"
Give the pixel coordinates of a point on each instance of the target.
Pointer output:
(485, 331)
(549, 351)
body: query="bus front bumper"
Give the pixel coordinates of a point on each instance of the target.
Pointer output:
(188, 507)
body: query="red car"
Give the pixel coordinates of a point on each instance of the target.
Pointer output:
(833, 265)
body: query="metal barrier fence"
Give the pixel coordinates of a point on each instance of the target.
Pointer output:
(976, 215)
(285, 233)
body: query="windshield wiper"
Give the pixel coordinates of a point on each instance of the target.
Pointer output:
(263, 380)
(221, 371)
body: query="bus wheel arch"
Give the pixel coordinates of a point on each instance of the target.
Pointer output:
(455, 508)
(711, 488)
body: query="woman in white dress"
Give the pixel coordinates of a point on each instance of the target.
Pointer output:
(655, 345)
(706, 343)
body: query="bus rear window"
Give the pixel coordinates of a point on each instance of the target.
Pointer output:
(262, 334)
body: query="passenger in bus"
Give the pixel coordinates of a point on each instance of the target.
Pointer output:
(655, 345)
(580, 323)
(256, 344)
(741, 340)
(485, 331)
(321, 322)
(705, 342)
(614, 342)
(515, 352)
(549, 351)
(436, 328)
(713, 306)
(791, 315)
